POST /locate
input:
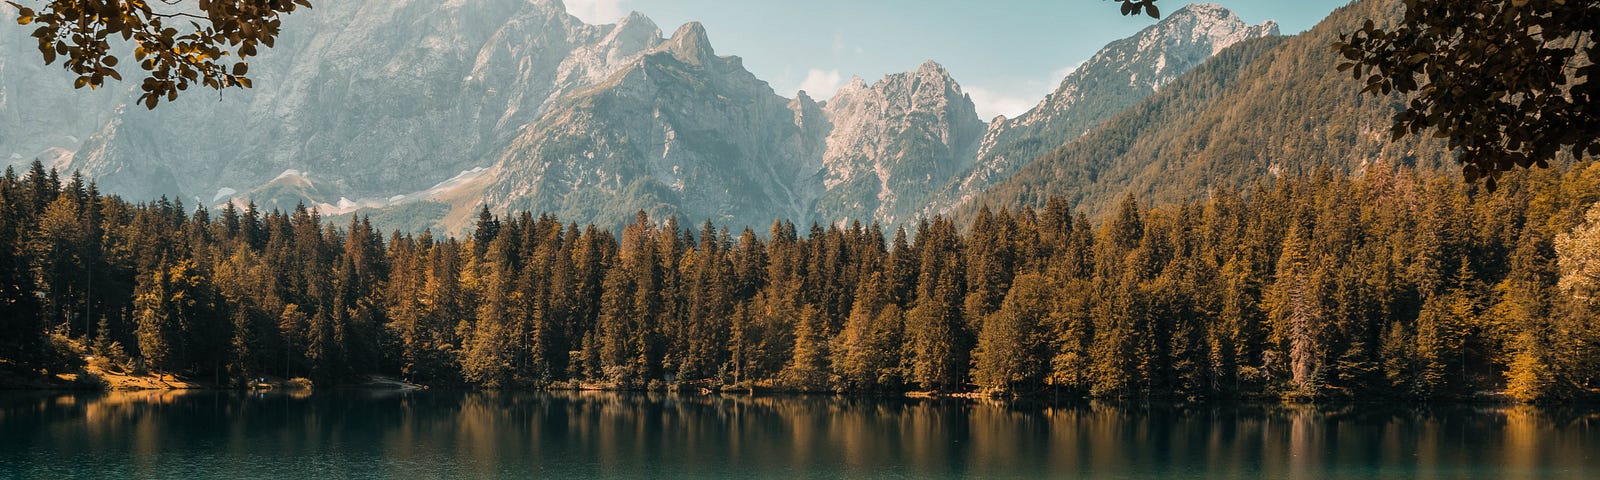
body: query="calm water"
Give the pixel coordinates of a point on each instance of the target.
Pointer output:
(581, 435)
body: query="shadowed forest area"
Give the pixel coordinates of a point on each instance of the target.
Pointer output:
(1387, 284)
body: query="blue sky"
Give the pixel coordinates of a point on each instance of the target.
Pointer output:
(1006, 54)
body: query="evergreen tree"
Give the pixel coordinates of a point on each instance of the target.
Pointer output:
(808, 365)
(937, 333)
(1294, 304)
(1013, 350)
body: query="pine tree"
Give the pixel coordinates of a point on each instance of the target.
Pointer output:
(292, 326)
(808, 364)
(157, 329)
(858, 357)
(1523, 308)
(1071, 336)
(1437, 344)
(21, 331)
(1111, 351)
(937, 333)
(487, 353)
(1012, 353)
(1295, 305)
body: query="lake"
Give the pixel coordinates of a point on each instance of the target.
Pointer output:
(371, 434)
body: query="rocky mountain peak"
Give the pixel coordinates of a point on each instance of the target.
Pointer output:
(1210, 10)
(1209, 24)
(632, 34)
(893, 141)
(551, 8)
(803, 98)
(691, 44)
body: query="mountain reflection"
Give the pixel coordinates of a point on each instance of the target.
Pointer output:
(586, 434)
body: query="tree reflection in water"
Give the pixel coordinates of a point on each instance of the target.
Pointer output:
(587, 434)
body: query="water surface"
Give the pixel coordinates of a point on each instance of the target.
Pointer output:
(583, 435)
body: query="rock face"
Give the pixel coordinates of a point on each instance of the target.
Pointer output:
(674, 129)
(375, 97)
(419, 112)
(1114, 79)
(893, 143)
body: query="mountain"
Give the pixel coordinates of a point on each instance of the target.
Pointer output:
(1114, 79)
(676, 130)
(441, 108)
(1259, 110)
(893, 143)
(423, 90)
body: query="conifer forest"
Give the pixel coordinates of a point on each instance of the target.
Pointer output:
(1388, 283)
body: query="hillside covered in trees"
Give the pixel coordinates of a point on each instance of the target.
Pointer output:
(1320, 286)
(1266, 108)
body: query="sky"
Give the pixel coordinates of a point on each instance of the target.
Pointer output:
(1006, 54)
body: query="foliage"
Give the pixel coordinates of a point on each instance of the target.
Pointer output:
(177, 44)
(1579, 256)
(1508, 82)
(1135, 7)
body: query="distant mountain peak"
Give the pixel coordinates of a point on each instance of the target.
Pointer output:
(893, 141)
(691, 44)
(1204, 9)
(1207, 22)
(632, 34)
(635, 22)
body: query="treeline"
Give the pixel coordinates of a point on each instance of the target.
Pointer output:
(1323, 286)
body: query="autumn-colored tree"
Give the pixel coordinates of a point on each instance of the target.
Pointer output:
(1013, 346)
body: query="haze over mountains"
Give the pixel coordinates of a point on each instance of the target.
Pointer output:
(420, 112)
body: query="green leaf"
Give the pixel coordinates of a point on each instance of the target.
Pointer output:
(1152, 11)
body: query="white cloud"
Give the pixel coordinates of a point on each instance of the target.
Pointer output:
(821, 84)
(596, 11)
(990, 103)
(1019, 98)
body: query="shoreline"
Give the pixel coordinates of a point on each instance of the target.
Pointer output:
(92, 379)
(378, 383)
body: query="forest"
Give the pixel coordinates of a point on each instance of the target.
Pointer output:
(1388, 283)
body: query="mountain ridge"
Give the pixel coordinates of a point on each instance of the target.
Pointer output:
(1106, 84)
(541, 111)
(1243, 118)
